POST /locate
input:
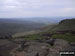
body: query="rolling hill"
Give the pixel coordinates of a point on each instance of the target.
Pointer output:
(67, 24)
(64, 30)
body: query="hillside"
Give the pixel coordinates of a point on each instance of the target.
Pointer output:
(64, 25)
(67, 24)
(64, 30)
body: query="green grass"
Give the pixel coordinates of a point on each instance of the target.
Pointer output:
(68, 36)
(32, 37)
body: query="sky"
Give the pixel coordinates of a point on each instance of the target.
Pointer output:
(36, 8)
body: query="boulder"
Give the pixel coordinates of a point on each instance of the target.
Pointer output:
(50, 41)
(59, 45)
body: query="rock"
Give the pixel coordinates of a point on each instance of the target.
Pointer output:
(37, 54)
(39, 40)
(72, 43)
(50, 41)
(34, 49)
(42, 49)
(6, 47)
(59, 45)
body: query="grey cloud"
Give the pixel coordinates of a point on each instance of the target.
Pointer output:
(33, 8)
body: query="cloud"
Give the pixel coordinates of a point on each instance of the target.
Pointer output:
(34, 8)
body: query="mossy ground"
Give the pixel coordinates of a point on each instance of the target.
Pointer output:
(67, 36)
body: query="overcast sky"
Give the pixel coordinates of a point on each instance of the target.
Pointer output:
(36, 8)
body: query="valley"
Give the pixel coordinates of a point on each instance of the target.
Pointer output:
(44, 41)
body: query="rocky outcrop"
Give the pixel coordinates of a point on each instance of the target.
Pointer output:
(6, 46)
(34, 48)
(59, 45)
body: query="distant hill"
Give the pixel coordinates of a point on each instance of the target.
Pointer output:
(45, 20)
(67, 24)
(12, 26)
